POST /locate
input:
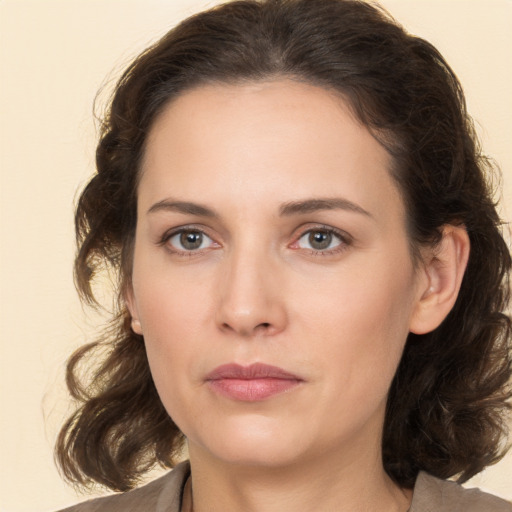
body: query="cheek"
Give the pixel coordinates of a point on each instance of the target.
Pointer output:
(170, 332)
(362, 323)
(366, 295)
(168, 300)
(170, 317)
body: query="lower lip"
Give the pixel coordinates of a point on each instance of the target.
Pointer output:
(252, 390)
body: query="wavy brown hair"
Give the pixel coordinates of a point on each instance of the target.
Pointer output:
(448, 402)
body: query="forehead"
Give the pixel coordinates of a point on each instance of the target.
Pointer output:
(275, 138)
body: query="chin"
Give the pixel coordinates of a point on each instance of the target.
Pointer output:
(256, 442)
(258, 455)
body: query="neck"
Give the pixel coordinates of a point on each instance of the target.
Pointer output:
(326, 482)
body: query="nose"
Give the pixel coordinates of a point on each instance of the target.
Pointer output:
(251, 296)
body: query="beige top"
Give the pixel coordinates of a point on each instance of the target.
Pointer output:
(164, 495)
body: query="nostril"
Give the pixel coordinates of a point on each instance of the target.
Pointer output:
(263, 328)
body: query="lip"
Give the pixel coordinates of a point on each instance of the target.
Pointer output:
(251, 383)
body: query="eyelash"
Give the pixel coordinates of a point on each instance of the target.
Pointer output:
(345, 240)
(168, 235)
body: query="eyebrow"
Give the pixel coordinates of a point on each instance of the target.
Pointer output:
(287, 209)
(314, 205)
(182, 207)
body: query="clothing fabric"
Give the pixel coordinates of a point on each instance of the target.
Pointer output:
(165, 495)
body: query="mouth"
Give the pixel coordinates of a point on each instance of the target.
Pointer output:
(252, 383)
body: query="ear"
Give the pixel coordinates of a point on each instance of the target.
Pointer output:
(131, 304)
(443, 270)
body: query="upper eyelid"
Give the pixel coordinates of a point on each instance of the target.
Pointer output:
(304, 228)
(186, 227)
(344, 235)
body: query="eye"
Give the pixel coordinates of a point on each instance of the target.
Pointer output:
(322, 240)
(189, 240)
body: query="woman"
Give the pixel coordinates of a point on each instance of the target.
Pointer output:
(312, 277)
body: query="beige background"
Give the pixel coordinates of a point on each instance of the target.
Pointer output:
(54, 56)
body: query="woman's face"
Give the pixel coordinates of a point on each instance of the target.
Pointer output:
(272, 275)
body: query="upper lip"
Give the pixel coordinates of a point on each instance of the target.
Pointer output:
(253, 371)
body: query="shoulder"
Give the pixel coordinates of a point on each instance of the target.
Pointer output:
(434, 495)
(161, 495)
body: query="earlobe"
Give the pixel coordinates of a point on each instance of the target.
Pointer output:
(133, 310)
(136, 327)
(444, 268)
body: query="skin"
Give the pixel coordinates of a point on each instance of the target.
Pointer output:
(260, 289)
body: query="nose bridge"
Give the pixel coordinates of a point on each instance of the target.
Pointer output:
(250, 301)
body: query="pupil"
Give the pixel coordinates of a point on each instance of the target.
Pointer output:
(320, 240)
(191, 240)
